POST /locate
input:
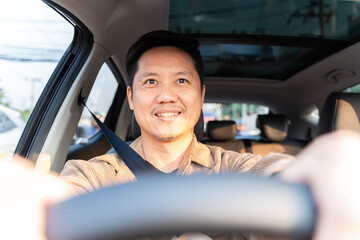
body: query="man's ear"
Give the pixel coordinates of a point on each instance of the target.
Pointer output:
(130, 97)
(203, 90)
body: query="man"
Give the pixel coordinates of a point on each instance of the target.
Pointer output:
(166, 91)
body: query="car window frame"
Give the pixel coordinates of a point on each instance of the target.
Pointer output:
(55, 91)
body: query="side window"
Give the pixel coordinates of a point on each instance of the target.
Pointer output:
(99, 101)
(355, 89)
(32, 41)
(243, 114)
(5, 123)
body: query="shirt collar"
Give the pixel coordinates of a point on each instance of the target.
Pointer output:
(197, 152)
(200, 154)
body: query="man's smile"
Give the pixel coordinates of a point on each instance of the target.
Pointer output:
(167, 114)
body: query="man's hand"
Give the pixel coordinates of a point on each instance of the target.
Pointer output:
(330, 166)
(25, 194)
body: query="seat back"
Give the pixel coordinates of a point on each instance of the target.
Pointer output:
(340, 111)
(221, 130)
(274, 131)
(222, 134)
(273, 127)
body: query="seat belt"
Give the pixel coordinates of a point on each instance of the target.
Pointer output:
(137, 165)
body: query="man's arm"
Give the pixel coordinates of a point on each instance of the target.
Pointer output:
(25, 194)
(330, 167)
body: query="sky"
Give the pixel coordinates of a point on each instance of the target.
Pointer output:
(33, 37)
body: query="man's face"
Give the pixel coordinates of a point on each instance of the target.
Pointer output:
(167, 96)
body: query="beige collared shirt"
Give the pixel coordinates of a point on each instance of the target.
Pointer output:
(109, 169)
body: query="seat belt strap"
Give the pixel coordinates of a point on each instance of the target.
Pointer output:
(137, 165)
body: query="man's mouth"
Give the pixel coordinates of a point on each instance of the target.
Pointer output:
(172, 114)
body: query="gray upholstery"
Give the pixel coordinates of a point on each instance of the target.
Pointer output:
(340, 111)
(198, 130)
(221, 130)
(273, 127)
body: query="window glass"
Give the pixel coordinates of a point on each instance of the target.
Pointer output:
(267, 39)
(330, 19)
(5, 123)
(32, 41)
(99, 101)
(355, 89)
(243, 114)
(254, 61)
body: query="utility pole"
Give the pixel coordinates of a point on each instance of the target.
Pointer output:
(32, 91)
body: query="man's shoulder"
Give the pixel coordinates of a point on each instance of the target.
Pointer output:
(99, 162)
(95, 173)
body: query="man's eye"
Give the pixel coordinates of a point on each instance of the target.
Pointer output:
(150, 81)
(182, 80)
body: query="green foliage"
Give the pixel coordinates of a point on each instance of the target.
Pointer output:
(3, 100)
(25, 115)
(227, 110)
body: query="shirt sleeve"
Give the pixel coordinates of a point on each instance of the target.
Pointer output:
(238, 163)
(272, 164)
(85, 176)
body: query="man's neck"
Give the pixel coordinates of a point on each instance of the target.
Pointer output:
(165, 156)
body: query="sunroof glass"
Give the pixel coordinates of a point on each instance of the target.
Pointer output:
(259, 61)
(331, 19)
(327, 26)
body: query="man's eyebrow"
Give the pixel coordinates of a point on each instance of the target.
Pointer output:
(147, 74)
(186, 73)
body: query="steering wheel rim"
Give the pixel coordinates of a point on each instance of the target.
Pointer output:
(163, 204)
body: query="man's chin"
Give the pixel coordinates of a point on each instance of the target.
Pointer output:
(165, 138)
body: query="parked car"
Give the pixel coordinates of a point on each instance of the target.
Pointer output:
(286, 55)
(11, 128)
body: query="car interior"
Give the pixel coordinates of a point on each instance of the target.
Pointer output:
(248, 59)
(296, 59)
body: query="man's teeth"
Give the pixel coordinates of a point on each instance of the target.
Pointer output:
(167, 114)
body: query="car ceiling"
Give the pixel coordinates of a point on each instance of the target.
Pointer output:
(110, 26)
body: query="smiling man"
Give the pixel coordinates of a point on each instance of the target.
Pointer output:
(166, 91)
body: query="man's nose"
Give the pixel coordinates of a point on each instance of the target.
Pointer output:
(167, 94)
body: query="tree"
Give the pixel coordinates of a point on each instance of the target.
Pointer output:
(3, 100)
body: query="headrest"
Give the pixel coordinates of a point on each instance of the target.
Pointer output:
(221, 130)
(273, 127)
(340, 111)
(198, 129)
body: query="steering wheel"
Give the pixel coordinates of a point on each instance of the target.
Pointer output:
(173, 204)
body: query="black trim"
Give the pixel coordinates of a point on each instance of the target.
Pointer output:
(270, 40)
(56, 89)
(115, 108)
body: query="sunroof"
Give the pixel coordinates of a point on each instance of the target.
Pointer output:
(253, 61)
(213, 22)
(330, 19)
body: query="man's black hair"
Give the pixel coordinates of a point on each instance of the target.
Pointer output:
(162, 38)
